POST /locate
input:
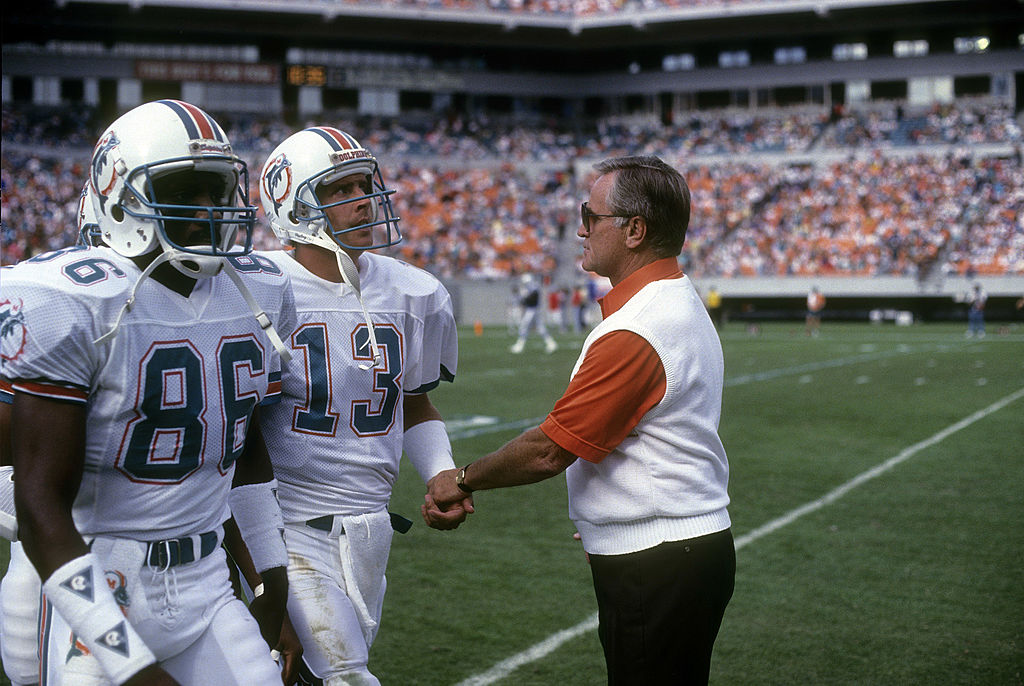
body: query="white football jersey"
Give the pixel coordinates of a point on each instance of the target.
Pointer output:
(336, 436)
(168, 399)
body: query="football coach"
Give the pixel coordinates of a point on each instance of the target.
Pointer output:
(636, 433)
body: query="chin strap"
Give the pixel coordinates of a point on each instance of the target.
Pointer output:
(261, 316)
(258, 313)
(161, 258)
(350, 275)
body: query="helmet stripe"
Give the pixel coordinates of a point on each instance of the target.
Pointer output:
(338, 140)
(197, 123)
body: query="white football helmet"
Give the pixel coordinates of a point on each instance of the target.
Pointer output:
(147, 143)
(307, 159)
(88, 227)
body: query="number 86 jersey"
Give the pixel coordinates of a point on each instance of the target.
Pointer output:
(168, 399)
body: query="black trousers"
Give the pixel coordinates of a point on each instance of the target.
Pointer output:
(660, 609)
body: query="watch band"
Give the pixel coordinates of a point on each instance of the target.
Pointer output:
(460, 480)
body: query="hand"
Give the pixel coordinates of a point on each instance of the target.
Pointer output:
(576, 537)
(290, 649)
(442, 490)
(450, 518)
(268, 608)
(153, 675)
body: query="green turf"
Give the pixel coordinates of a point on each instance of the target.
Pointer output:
(913, 577)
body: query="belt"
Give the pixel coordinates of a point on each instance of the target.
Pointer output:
(326, 523)
(180, 551)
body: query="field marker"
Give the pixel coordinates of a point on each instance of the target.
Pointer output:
(471, 422)
(810, 367)
(461, 431)
(554, 641)
(878, 470)
(535, 652)
(490, 428)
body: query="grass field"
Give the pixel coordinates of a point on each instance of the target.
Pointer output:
(877, 484)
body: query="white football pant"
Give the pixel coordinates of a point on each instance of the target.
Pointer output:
(19, 619)
(187, 615)
(336, 588)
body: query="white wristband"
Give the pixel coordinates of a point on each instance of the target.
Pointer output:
(8, 518)
(78, 591)
(428, 448)
(258, 515)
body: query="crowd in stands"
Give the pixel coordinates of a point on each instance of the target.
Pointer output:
(880, 216)
(39, 209)
(512, 197)
(967, 123)
(572, 8)
(483, 223)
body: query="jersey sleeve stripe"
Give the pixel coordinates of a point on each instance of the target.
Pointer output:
(431, 385)
(73, 394)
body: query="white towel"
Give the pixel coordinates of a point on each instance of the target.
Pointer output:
(122, 561)
(364, 551)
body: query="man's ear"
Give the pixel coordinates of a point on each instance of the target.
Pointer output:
(636, 232)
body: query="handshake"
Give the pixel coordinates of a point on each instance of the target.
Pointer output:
(448, 501)
(526, 459)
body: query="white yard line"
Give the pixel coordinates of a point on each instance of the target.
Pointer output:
(551, 643)
(469, 431)
(815, 366)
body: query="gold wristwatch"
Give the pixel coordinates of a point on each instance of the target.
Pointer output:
(460, 480)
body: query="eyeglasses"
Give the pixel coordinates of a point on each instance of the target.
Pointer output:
(586, 215)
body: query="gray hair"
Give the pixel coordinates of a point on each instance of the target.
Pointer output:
(647, 187)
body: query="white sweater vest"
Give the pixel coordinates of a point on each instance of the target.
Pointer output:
(667, 481)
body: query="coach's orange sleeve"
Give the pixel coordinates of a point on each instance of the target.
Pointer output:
(620, 379)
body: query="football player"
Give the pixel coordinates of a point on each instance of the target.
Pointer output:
(136, 370)
(373, 336)
(19, 589)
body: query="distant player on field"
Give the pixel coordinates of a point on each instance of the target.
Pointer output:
(976, 312)
(815, 304)
(531, 316)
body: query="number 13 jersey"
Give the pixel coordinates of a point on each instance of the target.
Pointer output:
(335, 439)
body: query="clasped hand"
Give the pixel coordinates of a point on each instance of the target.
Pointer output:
(445, 506)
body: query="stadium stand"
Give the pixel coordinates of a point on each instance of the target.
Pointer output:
(838, 162)
(862, 213)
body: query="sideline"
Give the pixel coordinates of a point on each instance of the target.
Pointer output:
(551, 643)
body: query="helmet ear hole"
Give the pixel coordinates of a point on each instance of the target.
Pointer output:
(294, 175)
(116, 213)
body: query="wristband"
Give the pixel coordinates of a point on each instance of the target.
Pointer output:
(258, 515)
(78, 591)
(429, 448)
